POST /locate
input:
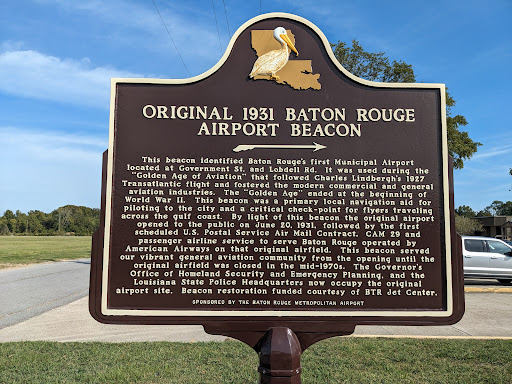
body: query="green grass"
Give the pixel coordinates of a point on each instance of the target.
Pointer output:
(15, 250)
(337, 360)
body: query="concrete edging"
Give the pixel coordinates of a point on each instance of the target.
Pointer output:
(487, 290)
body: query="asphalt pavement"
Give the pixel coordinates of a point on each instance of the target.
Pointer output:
(30, 291)
(487, 315)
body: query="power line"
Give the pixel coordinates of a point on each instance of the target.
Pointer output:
(226, 13)
(169, 33)
(218, 33)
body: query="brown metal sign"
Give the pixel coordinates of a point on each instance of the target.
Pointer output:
(277, 189)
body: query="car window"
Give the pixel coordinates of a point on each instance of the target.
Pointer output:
(473, 245)
(497, 247)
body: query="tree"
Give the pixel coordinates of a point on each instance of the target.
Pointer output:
(10, 221)
(70, 218)
(372, 66)
(467, 226)
(65, 214)
(460, 146)
(483, 213)
(21, 222)
(507, 209)
(465, 211)
(4, 229)
(497, 208)
(36, 222)
(377, 67)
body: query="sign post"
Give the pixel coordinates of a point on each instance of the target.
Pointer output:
(277, 199)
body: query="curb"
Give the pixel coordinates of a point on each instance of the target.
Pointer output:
(488, 290)
(431, 337)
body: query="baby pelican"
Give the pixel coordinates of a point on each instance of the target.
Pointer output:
(271, 62)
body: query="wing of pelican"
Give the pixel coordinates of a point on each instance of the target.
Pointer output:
(267, 63)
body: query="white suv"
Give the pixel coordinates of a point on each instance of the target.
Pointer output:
(485, 257)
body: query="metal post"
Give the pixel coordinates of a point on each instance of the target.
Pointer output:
(279, 351)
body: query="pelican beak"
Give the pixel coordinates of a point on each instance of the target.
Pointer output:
(289, 43)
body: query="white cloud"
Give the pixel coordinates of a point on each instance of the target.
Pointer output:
(493, 151)
(115, 11)
(485, 177)
(45, 170)
(192, 28)
(10, 45)
(36, 75)
(53, 145)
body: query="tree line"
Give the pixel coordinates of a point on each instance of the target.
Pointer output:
(465, 222)
(496, 208)
(66, 220)
(83, 221)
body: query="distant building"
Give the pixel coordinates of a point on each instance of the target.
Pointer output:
(496, 226)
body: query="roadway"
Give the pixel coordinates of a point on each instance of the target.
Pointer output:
(35, 289)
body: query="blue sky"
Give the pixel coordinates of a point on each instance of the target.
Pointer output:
(57, 58)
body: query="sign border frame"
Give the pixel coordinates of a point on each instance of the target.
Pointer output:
(452, 309)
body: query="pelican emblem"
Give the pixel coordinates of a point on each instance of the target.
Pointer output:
(271, 62)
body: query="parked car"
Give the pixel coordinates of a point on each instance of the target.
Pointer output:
(485, 257)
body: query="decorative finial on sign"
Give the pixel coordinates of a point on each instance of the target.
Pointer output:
(271, 62)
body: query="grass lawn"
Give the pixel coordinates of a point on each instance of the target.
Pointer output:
(337, 360)
(15, 250)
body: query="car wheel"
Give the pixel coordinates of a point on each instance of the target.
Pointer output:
(505, 281)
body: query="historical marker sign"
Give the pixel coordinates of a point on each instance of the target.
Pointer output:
(277, 187)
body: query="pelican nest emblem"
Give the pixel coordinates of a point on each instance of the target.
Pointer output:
(271, 62)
